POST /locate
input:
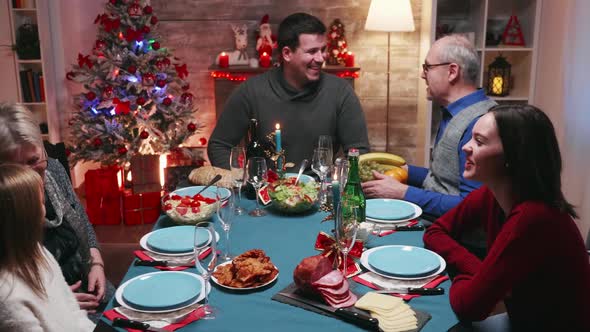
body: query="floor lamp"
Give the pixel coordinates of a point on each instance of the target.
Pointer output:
(389, 16)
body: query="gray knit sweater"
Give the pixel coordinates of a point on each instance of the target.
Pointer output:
(327, 107)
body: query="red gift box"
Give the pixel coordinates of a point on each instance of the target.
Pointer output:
(103, 195)
(143, 208)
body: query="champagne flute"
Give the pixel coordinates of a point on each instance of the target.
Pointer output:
(320, 165)
(325, 142)
(347, 224)
(257, 176)
(238, 171)
(206, 265)
(226, 211)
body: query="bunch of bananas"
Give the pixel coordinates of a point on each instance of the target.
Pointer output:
(382, 162)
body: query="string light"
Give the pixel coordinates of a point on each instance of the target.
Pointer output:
(228, 76)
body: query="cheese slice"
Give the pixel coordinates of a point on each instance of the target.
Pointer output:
(399, 311)
(380, 302)
(409, 319)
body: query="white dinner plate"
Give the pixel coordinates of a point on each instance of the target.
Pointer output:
(143, 244)
(417, 214)
(365, 262)
(122, 302)
(245, 288)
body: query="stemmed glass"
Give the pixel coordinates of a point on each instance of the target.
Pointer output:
(325, 142)
(237, 163)
(226, 211)
(257, 176)
(347, 224)
(320, 165)
(206, 265)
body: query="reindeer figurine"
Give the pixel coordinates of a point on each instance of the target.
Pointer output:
(239, 55)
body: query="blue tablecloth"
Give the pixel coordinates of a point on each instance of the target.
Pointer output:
(287, 240)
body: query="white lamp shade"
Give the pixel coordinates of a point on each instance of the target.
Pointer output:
(390, 15)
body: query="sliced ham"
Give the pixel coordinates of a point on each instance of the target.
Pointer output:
(349, 302)
(334, 280)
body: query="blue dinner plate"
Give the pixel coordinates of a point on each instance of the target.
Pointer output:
(389, 209)
(404, 261)
(175, 240)
(162, 291)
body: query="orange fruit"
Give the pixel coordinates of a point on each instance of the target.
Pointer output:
(398, 173)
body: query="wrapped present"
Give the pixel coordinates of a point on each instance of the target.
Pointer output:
(145, 170)
(103, 195)
(142, 208)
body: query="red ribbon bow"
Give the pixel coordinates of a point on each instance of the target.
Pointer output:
(327, 244)
(131, 35)
(181, 71)
(84, 60)
(122, 106)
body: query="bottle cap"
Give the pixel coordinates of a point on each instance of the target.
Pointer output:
(353, 152)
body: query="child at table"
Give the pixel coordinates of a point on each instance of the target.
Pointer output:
(34, 295)
(537, 262)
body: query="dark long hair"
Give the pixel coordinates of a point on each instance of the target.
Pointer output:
(296, 24)
(21, 225)
(532, 154)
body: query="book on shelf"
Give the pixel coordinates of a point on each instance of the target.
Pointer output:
(23, 4)
(36, 87)
(30, 84)
(42, 87)
(24, 85)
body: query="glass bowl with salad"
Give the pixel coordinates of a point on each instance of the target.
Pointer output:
(290, 198)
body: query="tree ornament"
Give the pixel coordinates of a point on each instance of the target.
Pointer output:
(122, 107)
(153, 20)
(187, 96)
(160, 65)
(186, 86)
(97, 142)
(166, 63)
(144, 135)
(100, 45)
(134, 10)
(202, 141)
(145, 29)
(132, 69)
(266, 41)
(156, 46)
(167, 101)
(161, 83)
(140, 101)
(107, 92)
(90, 96)
(113, 2)
(148, 79)
(122, 150)
(181, 71)
(147, 10)
(191, 127)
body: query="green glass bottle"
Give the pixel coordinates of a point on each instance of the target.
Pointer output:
(353, 192)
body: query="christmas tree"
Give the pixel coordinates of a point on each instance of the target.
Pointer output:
(136, 99)
(337, 47)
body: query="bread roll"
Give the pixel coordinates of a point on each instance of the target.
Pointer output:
(204, 174)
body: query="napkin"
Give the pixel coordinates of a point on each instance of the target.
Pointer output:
(169, 321)
(391, 231)
(185, 259)
(375, 281)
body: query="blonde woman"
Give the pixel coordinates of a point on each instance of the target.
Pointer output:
(67, 233)
(33, 293)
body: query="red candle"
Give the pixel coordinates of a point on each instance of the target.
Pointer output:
(349, 60)
(223, 60)
(265, 60)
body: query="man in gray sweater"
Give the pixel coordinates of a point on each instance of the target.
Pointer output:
(450, 71)
(301, 98)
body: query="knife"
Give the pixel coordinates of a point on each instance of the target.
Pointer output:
(413, 291)
(123, 322)
(356, 318)
(160, 263)
(409, 228)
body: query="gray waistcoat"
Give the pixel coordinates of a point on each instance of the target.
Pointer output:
(443, 176)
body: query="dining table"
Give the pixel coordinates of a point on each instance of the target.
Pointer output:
(287, 239)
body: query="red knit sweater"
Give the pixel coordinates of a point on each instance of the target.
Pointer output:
(536, 262)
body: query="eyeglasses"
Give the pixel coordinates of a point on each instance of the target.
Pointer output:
(426, 66)
(38, 163)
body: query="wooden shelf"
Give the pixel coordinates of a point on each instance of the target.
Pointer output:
(30, 61)
(258, 70)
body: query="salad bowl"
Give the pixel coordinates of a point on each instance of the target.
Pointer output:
(290, 198)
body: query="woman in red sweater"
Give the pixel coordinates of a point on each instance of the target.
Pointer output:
(537, 262)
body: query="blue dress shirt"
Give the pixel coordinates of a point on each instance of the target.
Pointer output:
(436, 203)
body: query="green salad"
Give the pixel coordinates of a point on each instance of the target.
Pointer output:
(291, 198)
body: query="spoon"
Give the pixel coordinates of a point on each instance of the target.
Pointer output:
(212, 182)
(304, 163)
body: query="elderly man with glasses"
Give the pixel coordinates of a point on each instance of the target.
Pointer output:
(450, 71)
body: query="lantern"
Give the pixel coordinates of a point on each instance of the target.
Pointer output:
(499, 77)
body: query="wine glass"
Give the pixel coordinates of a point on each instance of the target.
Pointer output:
(320, 165)
(226, 211)
(257, 176)
(325, 142)
(238, 171)
(347, 223)
(206, 265)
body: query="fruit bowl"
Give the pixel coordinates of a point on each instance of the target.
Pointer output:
(185, 207)
(288, 198)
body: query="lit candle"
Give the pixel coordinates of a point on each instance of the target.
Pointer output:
(223, 60)
(265, 60)
(278, 144)
(497, 85)
(349, 60)
(335, 193)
